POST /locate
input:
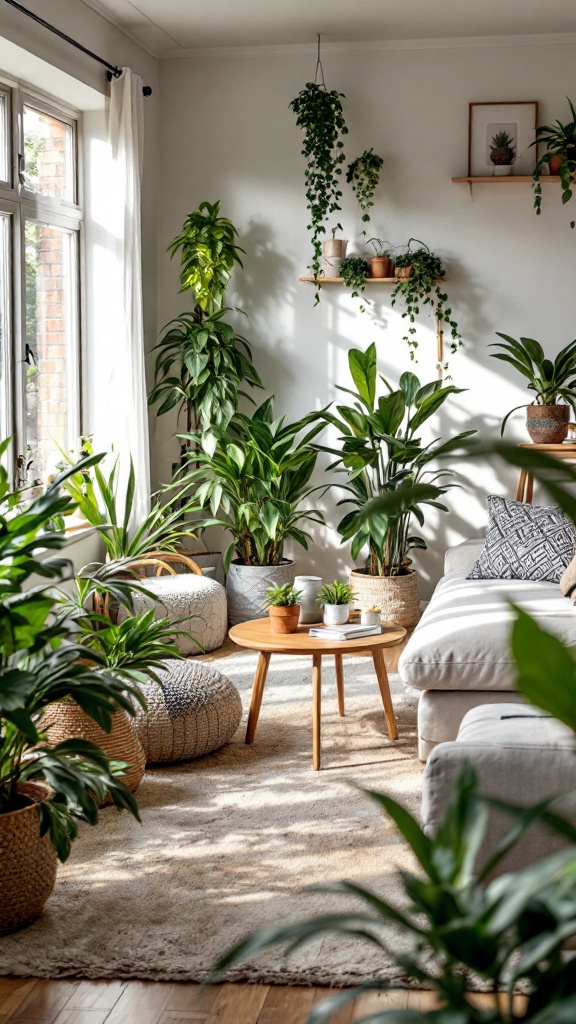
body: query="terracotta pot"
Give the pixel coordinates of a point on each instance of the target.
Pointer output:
(284, 619)
(380, 266)
(396, 596)
(555, 163)
(403, 273)
(28, 862)
(547, 424)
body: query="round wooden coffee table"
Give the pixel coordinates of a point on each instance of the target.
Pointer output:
(258, 636)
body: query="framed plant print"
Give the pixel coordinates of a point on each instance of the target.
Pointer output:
(500, 135)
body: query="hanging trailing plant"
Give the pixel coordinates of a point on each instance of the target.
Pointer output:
(354, 270)
(420, 273)
(319, 114)
(364, 174)
(559, 157)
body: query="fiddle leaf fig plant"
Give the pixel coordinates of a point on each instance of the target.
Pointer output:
(422, 286)
(364, 174)
(319, 113)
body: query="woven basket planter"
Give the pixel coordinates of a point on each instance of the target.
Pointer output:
(66, 720)
(246, 587)
(397, 596)
(28, 862)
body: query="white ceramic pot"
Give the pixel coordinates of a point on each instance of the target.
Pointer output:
(309, 587)
(370, 618)
(246, 587)
(336, 614)
(502, 170)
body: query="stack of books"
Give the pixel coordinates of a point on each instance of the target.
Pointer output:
(349, 631)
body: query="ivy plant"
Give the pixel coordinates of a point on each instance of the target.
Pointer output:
(423, 287)
(354, 270)
(364, 174)
(319, 113)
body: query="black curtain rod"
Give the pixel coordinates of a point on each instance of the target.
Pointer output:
(113, 71)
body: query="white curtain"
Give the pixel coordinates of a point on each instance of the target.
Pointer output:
(121, 410)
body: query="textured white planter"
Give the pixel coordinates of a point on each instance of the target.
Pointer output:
(246, 587)
(309, 587)
(336, 614)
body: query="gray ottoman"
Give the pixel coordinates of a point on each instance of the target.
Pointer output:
(196, 710)
(520, 755)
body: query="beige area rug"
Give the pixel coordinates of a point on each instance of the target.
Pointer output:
(228, 843)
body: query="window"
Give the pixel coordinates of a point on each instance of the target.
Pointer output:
(40, 223)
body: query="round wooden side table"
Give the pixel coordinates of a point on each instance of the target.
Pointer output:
(258, 636)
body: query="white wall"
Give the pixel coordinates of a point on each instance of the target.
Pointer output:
(227, 133)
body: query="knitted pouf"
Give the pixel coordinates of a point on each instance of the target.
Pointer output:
(196, 710)
(200, 601)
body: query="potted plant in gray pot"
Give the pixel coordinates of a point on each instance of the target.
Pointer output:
(381, 451)
(256, 484)
(553, 382)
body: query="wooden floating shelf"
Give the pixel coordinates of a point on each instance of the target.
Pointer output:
(512, 179)
(340, 280)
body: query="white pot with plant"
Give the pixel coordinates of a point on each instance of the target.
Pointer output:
(333, 252)
(382, 456)
(336, 599)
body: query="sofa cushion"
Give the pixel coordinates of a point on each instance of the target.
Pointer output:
(462, 639)
(525, 542)
(440, 713)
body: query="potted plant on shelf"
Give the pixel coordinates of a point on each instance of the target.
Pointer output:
(381, 264)
(44, 790)
(419, 275)
(559, 157)
(354, 270)
(381, 451)
(283, 607)
(256, 484)
(502, 153)
(554, 384)
(319, 113)
(364, 174)
(333, 252)
(336, 599)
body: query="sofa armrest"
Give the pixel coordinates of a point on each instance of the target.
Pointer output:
(464, 555)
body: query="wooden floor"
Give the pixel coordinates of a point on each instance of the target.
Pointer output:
(31, 1001)
(145, 1002)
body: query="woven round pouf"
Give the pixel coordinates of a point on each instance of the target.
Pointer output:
(196, 710)
(198, 600)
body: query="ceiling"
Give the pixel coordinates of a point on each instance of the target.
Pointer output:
(168, 27)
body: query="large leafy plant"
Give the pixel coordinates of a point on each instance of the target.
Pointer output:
(380, 451)
(41, 662)
(208, 249)
(319, 113)
(423, 287)
(552, 381)
(256, 484)
(559, 157)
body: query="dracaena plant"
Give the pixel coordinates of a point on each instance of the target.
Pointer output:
(42, 662)
(256, 484)
(559, 157)
(380, 450)
(552, 381)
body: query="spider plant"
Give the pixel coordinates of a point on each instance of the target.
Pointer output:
(552, 381)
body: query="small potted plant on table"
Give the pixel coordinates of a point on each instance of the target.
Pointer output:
(554, 383)
(336, 599)
(283, 607)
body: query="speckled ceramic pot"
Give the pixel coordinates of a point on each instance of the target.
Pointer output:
(246, 587)
(547, 424)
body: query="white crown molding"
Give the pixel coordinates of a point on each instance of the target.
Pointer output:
(289, 50)
(103, 12)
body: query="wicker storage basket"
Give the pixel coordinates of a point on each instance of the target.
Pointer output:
(65, 720)
(28, 862)
(396, 596)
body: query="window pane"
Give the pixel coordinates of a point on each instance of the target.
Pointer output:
(4, 136)
(51, 346)
(48, 147)
(5, 326)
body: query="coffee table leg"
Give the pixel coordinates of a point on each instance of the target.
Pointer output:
(257, 691)
(340, 683)
(316, 708)
(382, 677)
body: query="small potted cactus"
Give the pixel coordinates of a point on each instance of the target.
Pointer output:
(502, 153)
(336, 599)
(283, 608)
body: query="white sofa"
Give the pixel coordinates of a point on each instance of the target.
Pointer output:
(459, 654)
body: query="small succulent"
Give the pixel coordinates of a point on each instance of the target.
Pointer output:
(336, 593)
(282, 596)
(502, 149)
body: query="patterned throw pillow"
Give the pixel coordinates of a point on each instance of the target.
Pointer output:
(525, 542)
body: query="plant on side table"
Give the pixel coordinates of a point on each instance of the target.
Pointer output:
(547, 420)
(44, 789)
(559, 157)
(256, 484)
(381, 451)
(336, 598)
(419, 273)
(283, 604)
